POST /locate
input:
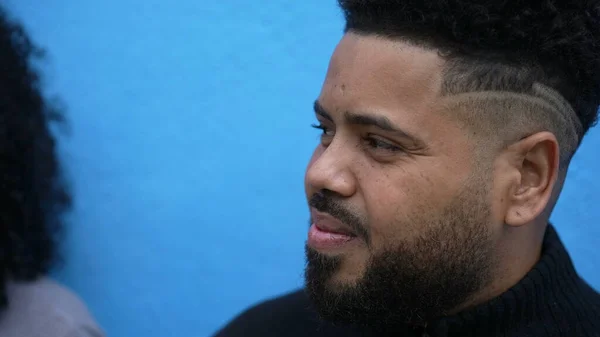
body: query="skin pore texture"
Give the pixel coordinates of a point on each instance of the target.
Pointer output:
(449, 208)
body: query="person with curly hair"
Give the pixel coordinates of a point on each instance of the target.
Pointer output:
(33, 199)
(447, 129)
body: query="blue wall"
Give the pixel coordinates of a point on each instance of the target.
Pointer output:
(189, 141)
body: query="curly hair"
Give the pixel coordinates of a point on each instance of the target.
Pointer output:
(498, 45)
(33, 194)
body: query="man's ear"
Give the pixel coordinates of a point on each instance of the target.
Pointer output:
(535, 160)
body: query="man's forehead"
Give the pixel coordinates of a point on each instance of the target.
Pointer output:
(368, 58)
(368, 72)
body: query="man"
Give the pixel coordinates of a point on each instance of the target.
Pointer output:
(33, 198)
(448, 127)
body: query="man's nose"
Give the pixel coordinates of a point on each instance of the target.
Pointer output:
(331, 169)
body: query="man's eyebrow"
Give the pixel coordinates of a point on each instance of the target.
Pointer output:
(380, 122)
(319, 110)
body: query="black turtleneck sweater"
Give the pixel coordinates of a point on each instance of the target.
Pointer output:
(551, 300)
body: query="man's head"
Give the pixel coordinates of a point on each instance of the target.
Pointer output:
(447, 132)
(32, 194)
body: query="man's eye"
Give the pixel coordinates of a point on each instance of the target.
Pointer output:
(326, 131)
(381, 145)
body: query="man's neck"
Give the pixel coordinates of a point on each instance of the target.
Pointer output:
(550, 300)
(518, 252)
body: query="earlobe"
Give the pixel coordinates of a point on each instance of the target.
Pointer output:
(537, 160)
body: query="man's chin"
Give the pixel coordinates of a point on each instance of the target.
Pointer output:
(339, 300)
(328, 284)
(334, 270)
(343, 279)
(386, 293)
(335, 286)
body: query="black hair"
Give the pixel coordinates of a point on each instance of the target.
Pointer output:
(499, 45)
(33, 193)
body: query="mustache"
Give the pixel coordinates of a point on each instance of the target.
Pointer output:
(327, 203)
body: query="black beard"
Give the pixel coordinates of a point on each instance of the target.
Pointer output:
(412, 283)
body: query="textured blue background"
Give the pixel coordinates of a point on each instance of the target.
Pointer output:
(189, 140)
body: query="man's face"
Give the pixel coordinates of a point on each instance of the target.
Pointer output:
(400, 211)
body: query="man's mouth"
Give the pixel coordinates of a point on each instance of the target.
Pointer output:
(328, 234)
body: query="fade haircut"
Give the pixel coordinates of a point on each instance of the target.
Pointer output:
(502, 46)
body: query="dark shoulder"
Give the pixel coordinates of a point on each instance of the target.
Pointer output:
(589, 306)
(287, 315)
(274, 317)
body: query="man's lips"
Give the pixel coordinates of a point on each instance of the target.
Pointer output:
(328, 224)
(329, 235)
(324, 227)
